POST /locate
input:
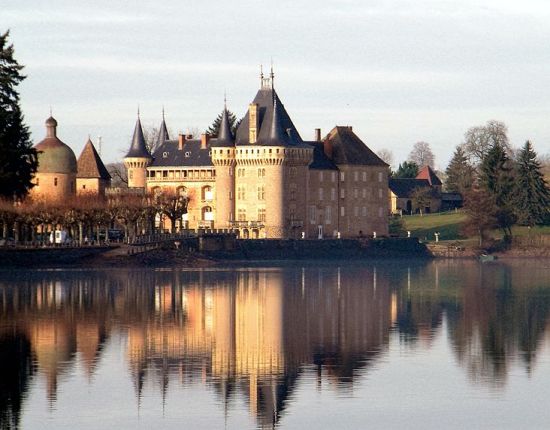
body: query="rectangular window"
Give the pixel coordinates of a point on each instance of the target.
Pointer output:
(312, 214)
(379, 176)
(320, 176)
(328, 215)
(380, 211)
(380, 192)
(230, 195)
(364, 176)
(242, 215)
(55, 182)
(342, 211)
(208, 195)
(342, 193)
(355, 211)
(355, 193)
(355, 176)
(364, 212)
(320, 194)
(342, 176)
(333, 194)
(364, 193)
(333, 176)
(261, 215)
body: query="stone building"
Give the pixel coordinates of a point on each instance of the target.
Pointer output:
(407, 193)
(55, 179)
(92, 176)
(60, 176)
(266, 181)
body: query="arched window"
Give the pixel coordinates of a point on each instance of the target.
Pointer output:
(207, 193)
(207, 214)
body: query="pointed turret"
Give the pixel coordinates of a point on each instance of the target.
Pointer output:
(277, 134)
(138, 148)
(163, 133)
(225, 136)
(137, 159)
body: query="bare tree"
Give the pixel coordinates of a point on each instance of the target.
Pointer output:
(480, 139)
(421, 198)
(386, 155)
(119, 175)
(422, 154)
(171, 204)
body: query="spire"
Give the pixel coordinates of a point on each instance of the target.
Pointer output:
(138, 148)
(163, 133)
(224, 132)
(277, 134)
(272, 76)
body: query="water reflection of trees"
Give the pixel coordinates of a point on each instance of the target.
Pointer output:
(252, 333)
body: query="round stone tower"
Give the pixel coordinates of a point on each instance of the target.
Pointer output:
(55, 179)
(138, 159)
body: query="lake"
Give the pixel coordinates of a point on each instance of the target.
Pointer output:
(379, 345)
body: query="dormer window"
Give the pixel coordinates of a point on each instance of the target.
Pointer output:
(165, 154)
(187, 154)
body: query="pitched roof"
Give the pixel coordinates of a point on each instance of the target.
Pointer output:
(427, 173)
(320, 160)
(138, 147)
(403, 187)
(89, 163)
(347, 148)
(268, 101)
(169, 154)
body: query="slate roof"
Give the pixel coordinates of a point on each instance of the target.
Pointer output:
(89, 163)
(280, 132)
(225, 136)
(320, 160)
(138, 147)
(347, 148)
(403, 187)
(168, 154)
(427, 173)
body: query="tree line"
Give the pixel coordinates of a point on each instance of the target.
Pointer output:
(88, 216)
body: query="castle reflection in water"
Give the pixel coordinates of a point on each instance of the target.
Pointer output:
(252, 332)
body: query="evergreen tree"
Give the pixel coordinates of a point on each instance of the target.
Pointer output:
(497, 178)
(215, 127)
(531, 191)
(18, 159)
(460, 174)
(407, 169)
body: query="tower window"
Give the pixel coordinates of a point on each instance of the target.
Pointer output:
(37, 182)
(55, 182)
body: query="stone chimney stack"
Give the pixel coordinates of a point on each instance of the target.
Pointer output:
(181, 141)
(205, 137)
(317, 135)
(253, 123)
(327, 148)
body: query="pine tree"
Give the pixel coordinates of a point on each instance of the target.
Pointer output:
(497, 179)
(407, 169)
(18, 159)
(215, 127)
(531, 191)
(460, 174)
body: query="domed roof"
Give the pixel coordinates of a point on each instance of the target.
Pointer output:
(54, 156)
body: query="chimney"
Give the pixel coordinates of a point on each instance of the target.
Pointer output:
(205, 137)
(317, 135)
(327, 148)
(253, 122)
(181, 141)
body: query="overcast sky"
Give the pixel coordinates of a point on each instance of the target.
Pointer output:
(397, 71)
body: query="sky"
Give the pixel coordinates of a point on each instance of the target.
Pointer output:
(398, 71)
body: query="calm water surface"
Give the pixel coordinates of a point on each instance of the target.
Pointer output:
(375, 345)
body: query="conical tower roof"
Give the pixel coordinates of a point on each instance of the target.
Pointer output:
(89, 163)
(138, 148)
(277, 134)
(225, 136)
(163, 133)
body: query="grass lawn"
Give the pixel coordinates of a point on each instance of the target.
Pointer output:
(447, 224)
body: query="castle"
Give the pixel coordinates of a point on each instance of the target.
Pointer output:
(266, 181)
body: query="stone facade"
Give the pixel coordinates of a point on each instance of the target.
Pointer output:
(266, 182)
